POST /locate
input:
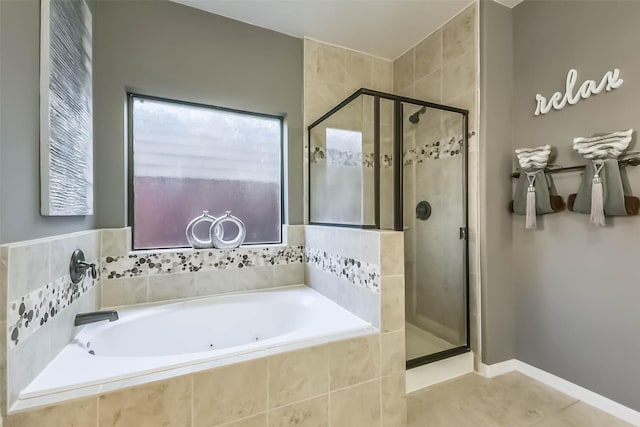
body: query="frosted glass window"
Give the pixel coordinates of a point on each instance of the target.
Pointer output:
(189, 158)
(344, 143)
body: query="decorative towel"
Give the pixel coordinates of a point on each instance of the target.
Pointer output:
(535, 191)
(604, 188)
(617, 197)
(547, 198)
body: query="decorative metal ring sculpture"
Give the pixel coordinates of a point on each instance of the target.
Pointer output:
(218, 238)
(194, 240)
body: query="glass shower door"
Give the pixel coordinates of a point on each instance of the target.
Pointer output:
(435, 223)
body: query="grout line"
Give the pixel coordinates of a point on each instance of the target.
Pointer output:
(268, 363)
(193, 398)
(329, 391)
(435, 30)
(146, 280)
(380, 365)
(348, 49)
(370, 380)
(248, 417)
(49, 261)
(346, 74)
(297, 402)
(441, 66)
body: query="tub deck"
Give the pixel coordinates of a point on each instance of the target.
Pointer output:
(152, 342)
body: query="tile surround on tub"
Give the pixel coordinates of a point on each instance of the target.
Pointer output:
(27, 314)
(38, 284)
(289, 389)
(360, 370)
(39, 302)
(29, 266)
(147, 276)
(141, 263)
(358, 272)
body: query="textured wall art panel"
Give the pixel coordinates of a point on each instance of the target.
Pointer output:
(66, 119)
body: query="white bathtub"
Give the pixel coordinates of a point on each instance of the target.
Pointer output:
(158, 341)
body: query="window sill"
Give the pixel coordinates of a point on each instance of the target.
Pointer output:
(191, 250)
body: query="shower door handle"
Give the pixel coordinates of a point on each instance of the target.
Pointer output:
(463, 233)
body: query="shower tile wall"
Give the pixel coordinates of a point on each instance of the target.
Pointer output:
(442, 69)
(331, 73)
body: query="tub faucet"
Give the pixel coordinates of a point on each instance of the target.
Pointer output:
(95, 316)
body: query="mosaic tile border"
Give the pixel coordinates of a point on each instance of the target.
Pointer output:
(440, 149)
(158, 263)
(443, 148)
(358, 272)
(31, 312)
(341, 158)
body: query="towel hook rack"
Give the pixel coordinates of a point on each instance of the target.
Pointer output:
(633, 161)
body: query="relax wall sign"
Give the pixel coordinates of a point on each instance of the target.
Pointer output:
(611, 80)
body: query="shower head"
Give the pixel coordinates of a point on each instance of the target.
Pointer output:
(415, 117)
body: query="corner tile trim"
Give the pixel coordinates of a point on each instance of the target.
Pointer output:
(31, 312)
(358, 272)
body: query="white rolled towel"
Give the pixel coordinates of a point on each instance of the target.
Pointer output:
(531, 159)
(618, 134)
(599, 148)
(602, 147)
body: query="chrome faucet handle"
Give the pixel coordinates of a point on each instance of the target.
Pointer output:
(78, 267)
(91, 267)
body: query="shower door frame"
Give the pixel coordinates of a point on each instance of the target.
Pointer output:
(398, 187)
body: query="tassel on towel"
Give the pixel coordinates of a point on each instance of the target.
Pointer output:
(532, 161)
(598, 149)
(531, 219)
(597, 196)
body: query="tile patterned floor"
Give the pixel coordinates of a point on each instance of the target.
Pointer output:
(511, 400)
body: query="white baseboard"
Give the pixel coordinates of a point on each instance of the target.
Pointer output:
(490, 371)
(594, 399)
(436, 372)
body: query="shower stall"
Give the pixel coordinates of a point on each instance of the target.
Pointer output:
(387, 162)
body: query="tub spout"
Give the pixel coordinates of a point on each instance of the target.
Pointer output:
(96, 316)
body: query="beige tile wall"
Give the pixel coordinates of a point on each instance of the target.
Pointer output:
(32, 266)
(351, 383)
(28, 266)
(386, 250)
(331, 74)
(163, 287)
(345, 383)
(443, 68)
(352, 244)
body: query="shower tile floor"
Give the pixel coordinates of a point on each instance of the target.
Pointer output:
(421, 343)
(511, 400)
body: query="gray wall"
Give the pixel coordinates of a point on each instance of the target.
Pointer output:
(577, 289)
(20, 217)
(174, 51)
(496, 88)
(153, 47)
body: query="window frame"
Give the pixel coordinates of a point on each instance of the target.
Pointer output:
(130, 199)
